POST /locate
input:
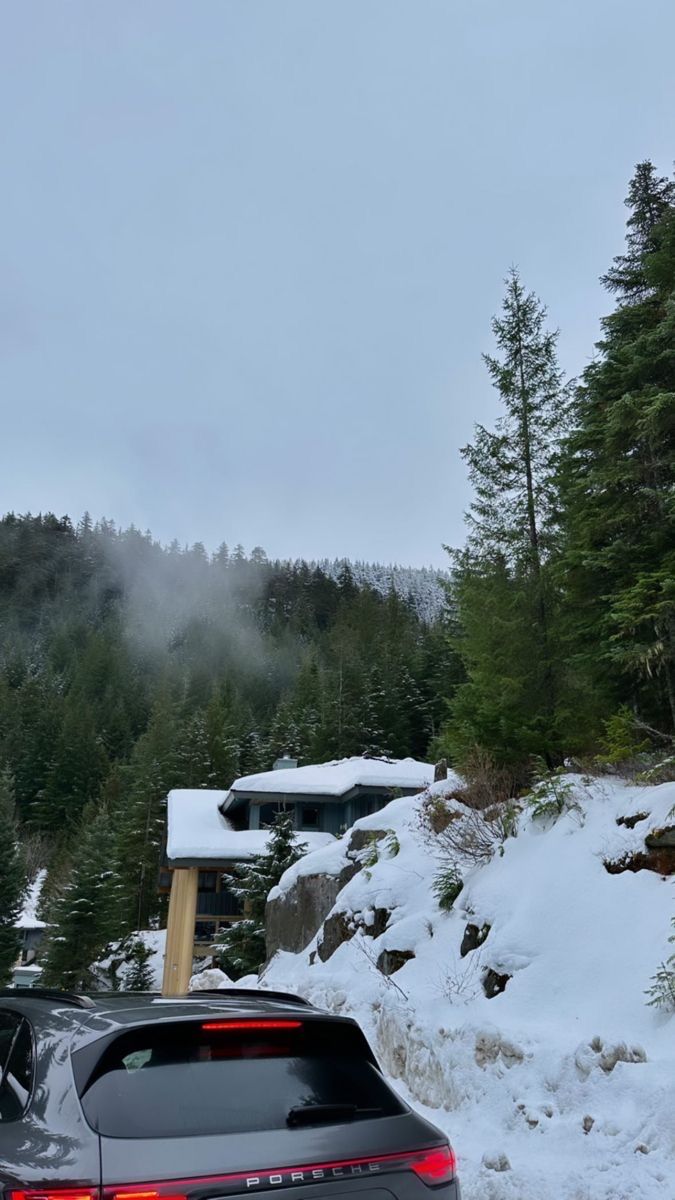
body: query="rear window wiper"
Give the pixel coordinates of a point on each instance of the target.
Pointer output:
(314, 1114)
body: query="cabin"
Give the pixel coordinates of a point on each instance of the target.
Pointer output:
(211, 832)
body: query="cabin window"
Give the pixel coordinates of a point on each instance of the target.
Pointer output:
(269, 813)
(309, 817)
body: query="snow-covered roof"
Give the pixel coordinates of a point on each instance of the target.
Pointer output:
(336, 778)
(198, 832)
(28, 918)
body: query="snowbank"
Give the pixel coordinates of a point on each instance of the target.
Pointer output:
(567, 1077)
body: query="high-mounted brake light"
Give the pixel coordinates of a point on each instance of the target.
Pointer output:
(238, 1026)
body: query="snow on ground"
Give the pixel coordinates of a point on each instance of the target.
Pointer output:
(28, 918)
(568, 1073)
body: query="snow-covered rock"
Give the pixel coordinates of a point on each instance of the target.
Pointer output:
(561, 1087)
(210, 979)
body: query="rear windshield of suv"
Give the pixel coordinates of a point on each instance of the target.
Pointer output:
(217, 1077)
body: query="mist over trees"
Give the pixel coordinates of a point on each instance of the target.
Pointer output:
(128, 669)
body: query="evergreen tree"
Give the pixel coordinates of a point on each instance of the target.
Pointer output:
(512, 470)
(650, 198)
(501, 577)
(87, 914)
(139, 976)
(77, 771)
(242, 945)
(12, 879)
(154, 770)
(618, 474)
(662, 991)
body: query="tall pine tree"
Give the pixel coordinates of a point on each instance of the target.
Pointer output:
(618, 473)
(87, 914)
(504, 601)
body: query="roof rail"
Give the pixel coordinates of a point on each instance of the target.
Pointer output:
(38, 993)
(246, 993)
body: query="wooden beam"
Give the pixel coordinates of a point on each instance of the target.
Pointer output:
(180, 932)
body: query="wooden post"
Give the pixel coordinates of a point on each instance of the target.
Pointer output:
(180, 932)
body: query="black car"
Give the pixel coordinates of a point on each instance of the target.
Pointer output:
(129, 1096)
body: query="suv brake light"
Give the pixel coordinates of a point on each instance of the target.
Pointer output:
(57, 1194)
(433, 1167)
(437, 1166)
(239, 1026)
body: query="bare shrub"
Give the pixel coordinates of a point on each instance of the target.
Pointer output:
(371, 959)
(471, 835)
(486, 783)
(37, 852)
(462, 981)
(438, 813)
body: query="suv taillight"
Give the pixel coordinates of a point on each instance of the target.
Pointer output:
(433, 1167)
(436, 1166)
(56, 1194)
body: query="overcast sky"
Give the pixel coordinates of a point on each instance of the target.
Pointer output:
(249, 251)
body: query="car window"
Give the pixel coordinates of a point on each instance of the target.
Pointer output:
(16, 1075)
(190, 1079)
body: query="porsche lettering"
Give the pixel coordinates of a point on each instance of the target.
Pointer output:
(311, 1175)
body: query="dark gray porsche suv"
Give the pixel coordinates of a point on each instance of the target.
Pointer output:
(225, 1094)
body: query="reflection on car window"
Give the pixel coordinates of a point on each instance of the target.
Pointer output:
(16, 1055)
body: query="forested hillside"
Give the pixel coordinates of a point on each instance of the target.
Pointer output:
(128, 668)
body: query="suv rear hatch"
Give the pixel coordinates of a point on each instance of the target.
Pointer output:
(236, 1104)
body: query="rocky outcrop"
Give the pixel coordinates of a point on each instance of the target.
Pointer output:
(658, 855)
(660, 845)
(293, 917)
(474, 936)
(494, 983)
(391, 961)
(338, 928)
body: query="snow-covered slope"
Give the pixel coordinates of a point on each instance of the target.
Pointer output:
(422, 587)
(28, 918)
(566, 1078)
